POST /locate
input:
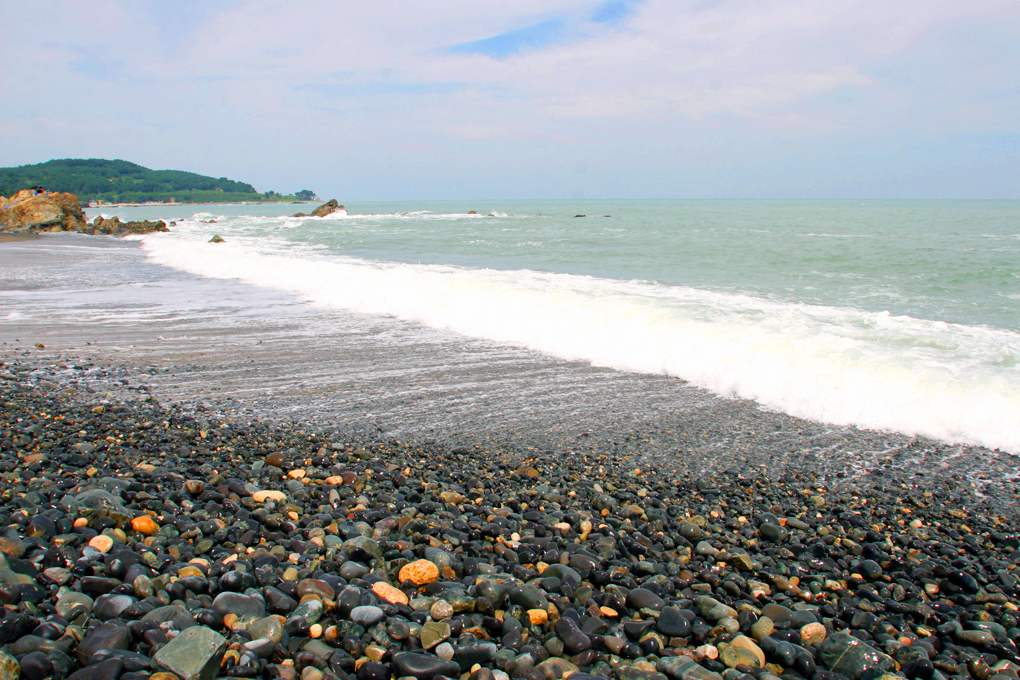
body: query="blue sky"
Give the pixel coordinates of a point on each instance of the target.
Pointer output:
(533, 99)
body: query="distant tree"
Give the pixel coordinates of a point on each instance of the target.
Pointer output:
(306, 195)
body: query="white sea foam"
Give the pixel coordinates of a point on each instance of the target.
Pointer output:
(953, 382)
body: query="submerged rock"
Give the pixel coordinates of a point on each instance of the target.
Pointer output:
(112, 226)
(328, 208)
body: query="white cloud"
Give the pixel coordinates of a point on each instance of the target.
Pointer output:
(368, 76)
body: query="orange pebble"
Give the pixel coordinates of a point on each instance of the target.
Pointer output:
(389, 593)
(419, 572)
(538, 616)
(144, 525)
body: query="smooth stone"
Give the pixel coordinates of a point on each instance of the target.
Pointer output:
(195, 654)
(672, 623)
(563, 573)
(10, 669)
(974, 637)
(367, 615)
(361, 549)
(110, 606)
(642, 598)
(813, 634)
(777, 613)
(104, 670)
(434, 633)
(556, 669)
(69, 599)
(352, 570)
(763, 627)
(849, 656)
(110, 635)
(312, 586)
(310, 611)
(468, 655)
(262, 647)
(164, 614)
(133, 661)
(244, 607)
(684, 668)
(528, 596)
(268, 627)
(574, 639)
(773, 533)
(424, 666)
(30, 643)
(742, 651)
(318, 648)
(34, 666)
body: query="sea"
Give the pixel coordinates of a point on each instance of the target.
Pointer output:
(898, 316)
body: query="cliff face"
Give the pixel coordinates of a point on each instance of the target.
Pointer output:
(27, 211)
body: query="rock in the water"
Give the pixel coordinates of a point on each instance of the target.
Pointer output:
(28, 211)
(195, 654)
(112, 226)
(328, 208)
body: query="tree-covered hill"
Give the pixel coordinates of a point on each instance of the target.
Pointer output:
(123, 182)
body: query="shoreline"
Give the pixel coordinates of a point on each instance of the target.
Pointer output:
(230, 347)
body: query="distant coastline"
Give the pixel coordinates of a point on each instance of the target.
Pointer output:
(122, 183)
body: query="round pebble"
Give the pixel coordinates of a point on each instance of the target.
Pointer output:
(102, 543)
(419, 572)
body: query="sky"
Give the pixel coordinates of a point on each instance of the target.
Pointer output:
(543, 99)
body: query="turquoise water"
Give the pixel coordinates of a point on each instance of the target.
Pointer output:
(899, 315)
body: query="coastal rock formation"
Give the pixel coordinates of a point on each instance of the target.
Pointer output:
(327, 208)
(49, 211)
(28, 211)
(114, 227)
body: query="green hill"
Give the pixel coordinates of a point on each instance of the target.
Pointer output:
(123, 182)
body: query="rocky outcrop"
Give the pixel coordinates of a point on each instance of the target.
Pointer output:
(112, 226)
(28, 211)
(49, 211)
(327, 208)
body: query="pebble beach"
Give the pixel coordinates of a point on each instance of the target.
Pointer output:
(143, 539)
